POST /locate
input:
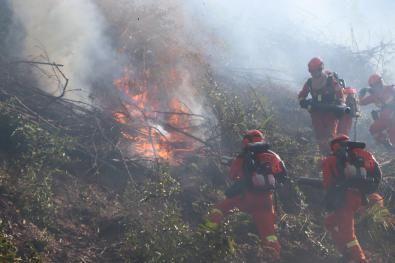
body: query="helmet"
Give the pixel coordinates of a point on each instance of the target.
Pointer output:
(376, 198)
(252, 136)
(315, 64)
(340, 138)
(375, 79)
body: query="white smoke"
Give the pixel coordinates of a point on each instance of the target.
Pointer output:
(70, 33)
(267, 38)
(277, 38)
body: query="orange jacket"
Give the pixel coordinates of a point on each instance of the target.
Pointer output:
(331, 173)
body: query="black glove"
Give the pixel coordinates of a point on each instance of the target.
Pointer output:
(304, 104)
(363, 92)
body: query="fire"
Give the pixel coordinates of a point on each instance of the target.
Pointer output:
(155, 121)
(121, 117)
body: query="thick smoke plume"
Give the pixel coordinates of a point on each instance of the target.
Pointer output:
(70, 33)
(96, 40)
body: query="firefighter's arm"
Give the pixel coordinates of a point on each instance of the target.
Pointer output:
(366, 100)
(377, 174)
(327, 174)
(236, 169)
(280, 171)
(303, 95)
(372, 166)
(304, 92)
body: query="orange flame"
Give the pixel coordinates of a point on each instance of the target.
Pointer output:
(160, 123)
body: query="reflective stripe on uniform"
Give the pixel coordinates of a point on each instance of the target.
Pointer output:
(352, 243)
(271, 238)
(216, 211)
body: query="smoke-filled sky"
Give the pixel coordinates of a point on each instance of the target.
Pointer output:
(276, 34)
(327, 20)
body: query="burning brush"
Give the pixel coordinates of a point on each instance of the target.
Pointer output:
(155, 123)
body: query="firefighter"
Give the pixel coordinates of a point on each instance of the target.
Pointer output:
(256, 173)
(383, 96)
(350, 175)
(346, 120)
(325, 90)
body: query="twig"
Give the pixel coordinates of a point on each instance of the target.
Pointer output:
(179, 113)
(55, 66)
(65, 84)
(37, 62)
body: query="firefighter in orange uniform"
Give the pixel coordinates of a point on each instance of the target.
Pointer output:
(325, 91)
(350, 174)
(383, 96)
(256, 172)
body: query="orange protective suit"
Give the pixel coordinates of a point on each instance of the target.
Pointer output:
(340, 222)
(384, 126)
(323, 90)
(259, 204)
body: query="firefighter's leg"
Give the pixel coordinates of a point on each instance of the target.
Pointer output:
(318, 120)
(347, 238)
(330, 123)
(264, 218)
(379, 126)
(345, 125)
(376, 199)
(332, 225)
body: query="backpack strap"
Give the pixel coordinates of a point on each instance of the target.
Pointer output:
(330, 96)
(309, 84)
(329, 82)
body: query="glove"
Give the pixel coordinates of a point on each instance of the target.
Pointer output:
(304, 104)
(363, 92)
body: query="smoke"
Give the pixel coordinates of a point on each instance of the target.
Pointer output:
(277, 38)
(94, 39)
(69, 33)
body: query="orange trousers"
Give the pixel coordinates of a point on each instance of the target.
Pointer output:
(340, 224)
(345, 125)
(386, 122)
(325, 127)
(260, 206)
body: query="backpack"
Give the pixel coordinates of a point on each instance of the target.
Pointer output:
(353, 172)
(257, 167)
(330, 97)
(352, 101)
